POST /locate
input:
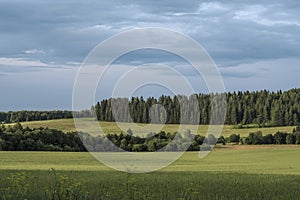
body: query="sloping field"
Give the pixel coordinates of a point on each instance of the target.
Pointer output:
(111, 127)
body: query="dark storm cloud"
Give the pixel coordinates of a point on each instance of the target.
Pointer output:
(232, 32)
(55, 35)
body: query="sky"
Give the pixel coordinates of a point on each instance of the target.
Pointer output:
(254, 44)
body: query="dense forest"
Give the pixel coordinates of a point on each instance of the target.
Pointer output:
(263, 108)
(18, 138)
(22, 116)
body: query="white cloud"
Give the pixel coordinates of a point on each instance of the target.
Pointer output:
(207, 9)
(97, 27)
(212, 7)
(22, 62)
(34, 51)
(257, 14)
(10, 66)
(73, 63)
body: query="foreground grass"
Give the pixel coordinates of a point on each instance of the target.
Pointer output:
(260, 160)
(111, 127)
(158, 185)
(263, 172)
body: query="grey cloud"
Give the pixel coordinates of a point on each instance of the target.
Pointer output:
(284, 71)
(69, 30)
(11, 66)
(238, 74)
(235, 33)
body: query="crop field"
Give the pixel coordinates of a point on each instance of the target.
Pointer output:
(264, 159)
(111, 127)
(228, 172)
(246, 172)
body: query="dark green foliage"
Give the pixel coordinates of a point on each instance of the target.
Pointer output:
(235, 138)
(296, 133)
(277, 138)
(290, 138)
(280, 138)
(297, 138)
(221, 140)
(17, 138)
(263, 108)
(22, 116)
(153, 142)
(139, 147)
(255, 138)
(268, 139)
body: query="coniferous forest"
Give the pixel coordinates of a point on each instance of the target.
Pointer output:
(24, 115)
(264, 108)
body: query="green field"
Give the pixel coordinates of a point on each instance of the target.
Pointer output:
(248, 172)
(111, 127)
(228, 172)
(264, 159)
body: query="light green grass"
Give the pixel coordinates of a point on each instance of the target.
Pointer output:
(228, 172)
(254, 172)
(111, 127)
(261, 160)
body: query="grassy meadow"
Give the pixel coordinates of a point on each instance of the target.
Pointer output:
(111, 127)
(228, 172)
(264, 172)
(263, 159)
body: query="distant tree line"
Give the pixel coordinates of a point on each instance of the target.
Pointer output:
(18, 138)
(22, 116)
(278, 138)
(261, 107)
(153, 142)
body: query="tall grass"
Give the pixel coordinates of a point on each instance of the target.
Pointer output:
(157, 185)
(261, 173)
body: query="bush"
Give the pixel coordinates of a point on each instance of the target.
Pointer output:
(255, 138)
(280, 138)
(234, 138)
(268, 139)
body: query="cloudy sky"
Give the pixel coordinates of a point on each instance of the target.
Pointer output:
(255, 44)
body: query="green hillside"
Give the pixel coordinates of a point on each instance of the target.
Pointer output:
(111, 127)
